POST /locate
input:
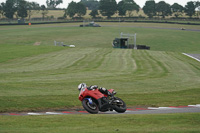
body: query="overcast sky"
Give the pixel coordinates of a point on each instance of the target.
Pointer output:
(139, 2)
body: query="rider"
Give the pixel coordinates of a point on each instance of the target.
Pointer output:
(94, 87)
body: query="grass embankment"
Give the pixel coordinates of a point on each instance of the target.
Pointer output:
(140, 77)
(45, 76)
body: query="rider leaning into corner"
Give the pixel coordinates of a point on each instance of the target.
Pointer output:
(102, 90)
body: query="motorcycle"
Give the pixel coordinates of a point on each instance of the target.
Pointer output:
(95, 100)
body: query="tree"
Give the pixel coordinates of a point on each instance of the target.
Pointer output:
(197, 5)
(22, 9)
(108, 7)
(163, 9)
(75, 8)
(53, 3)
(177, 9)
(1, 9)
(91, 4)
(44, 11)
(130, 6)
(80, 9)
(9, 8)
(94, 13)
(120, 8)
(190, 9)
(150, 8)
(71, 9)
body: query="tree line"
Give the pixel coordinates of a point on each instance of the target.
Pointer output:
(126, 7)
(23, 9)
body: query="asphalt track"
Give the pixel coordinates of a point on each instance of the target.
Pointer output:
(197, 30)
(149, 110)
(193, 56)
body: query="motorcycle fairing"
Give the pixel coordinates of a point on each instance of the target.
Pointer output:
(90, 93)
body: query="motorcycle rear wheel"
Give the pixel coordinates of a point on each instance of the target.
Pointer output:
(120, 108)
(93, 109)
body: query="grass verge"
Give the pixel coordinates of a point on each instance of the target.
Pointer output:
(183, 123)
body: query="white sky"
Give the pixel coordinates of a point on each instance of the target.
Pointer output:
(139, 2)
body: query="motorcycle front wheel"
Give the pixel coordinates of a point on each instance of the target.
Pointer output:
(121, 107)
(91, 108)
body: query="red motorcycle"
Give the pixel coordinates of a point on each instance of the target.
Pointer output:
(95, 100)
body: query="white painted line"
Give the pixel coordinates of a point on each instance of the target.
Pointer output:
(161, 108)
(191, 57)
(34, 114)
(191, 105)
(152, 108)
(129, 111)
(198, 106)
(53, 113)
(167, 108)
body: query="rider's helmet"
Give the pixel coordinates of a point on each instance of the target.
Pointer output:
(81, 86)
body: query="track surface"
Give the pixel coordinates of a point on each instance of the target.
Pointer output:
(197, 30)
(194, 56)
(149, 110)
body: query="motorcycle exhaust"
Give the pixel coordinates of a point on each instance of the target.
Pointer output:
(117, 102)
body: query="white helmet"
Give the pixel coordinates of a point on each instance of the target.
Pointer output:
(82, 86)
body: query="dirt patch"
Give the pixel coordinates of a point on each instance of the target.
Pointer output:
(37, 43)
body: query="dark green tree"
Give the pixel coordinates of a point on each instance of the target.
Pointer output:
(163, 9)
(130, 6)
(150, 8)
(94, 13)
(197, 5)
(108, 7)
(22, 9)
(9, 8)
(80, 9)
(1, 10)
(120, 8)
(53, 3)
(71, 9)
(190, 9)
(91, 4)
(177, 9)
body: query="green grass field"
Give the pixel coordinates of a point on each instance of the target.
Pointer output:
(165, 123)
(46, 76)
